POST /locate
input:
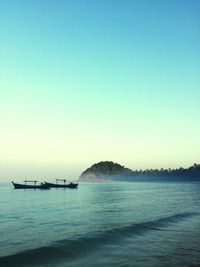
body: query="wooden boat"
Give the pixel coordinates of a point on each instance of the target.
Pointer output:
(64, 185)
(30, 186)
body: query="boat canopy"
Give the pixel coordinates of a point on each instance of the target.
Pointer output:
(64, 180)
(30, 181)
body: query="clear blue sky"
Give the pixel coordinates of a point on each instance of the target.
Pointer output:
(84, 80)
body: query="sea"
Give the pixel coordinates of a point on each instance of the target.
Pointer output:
(101, 224)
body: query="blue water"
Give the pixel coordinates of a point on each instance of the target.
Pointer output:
(101, 224)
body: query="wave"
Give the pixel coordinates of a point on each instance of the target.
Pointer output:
(65, 249)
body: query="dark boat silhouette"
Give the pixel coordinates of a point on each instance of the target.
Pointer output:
(30, 186)
(64, 185)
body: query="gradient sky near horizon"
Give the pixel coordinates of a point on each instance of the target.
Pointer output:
(83, 81)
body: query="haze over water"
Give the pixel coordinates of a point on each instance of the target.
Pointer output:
(84, 81)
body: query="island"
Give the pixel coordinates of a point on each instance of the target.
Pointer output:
(110, 171)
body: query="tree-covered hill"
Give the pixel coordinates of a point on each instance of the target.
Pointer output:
(110, 171)
(105, 170)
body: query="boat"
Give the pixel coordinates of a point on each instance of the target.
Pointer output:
(30, 186)
(64, 185)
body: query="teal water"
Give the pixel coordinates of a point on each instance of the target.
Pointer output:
(101, 224)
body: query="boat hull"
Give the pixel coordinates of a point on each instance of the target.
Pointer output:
(25, 186)
(70, 185)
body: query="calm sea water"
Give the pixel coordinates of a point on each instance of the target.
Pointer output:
(101, 224)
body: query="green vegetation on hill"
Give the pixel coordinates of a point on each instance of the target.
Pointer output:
(105, 170)
(106, 167)
(184, 173)
(108, 170)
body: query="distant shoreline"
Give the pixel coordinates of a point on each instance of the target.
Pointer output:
(110, 171)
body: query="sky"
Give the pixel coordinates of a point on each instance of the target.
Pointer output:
(83, 81)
